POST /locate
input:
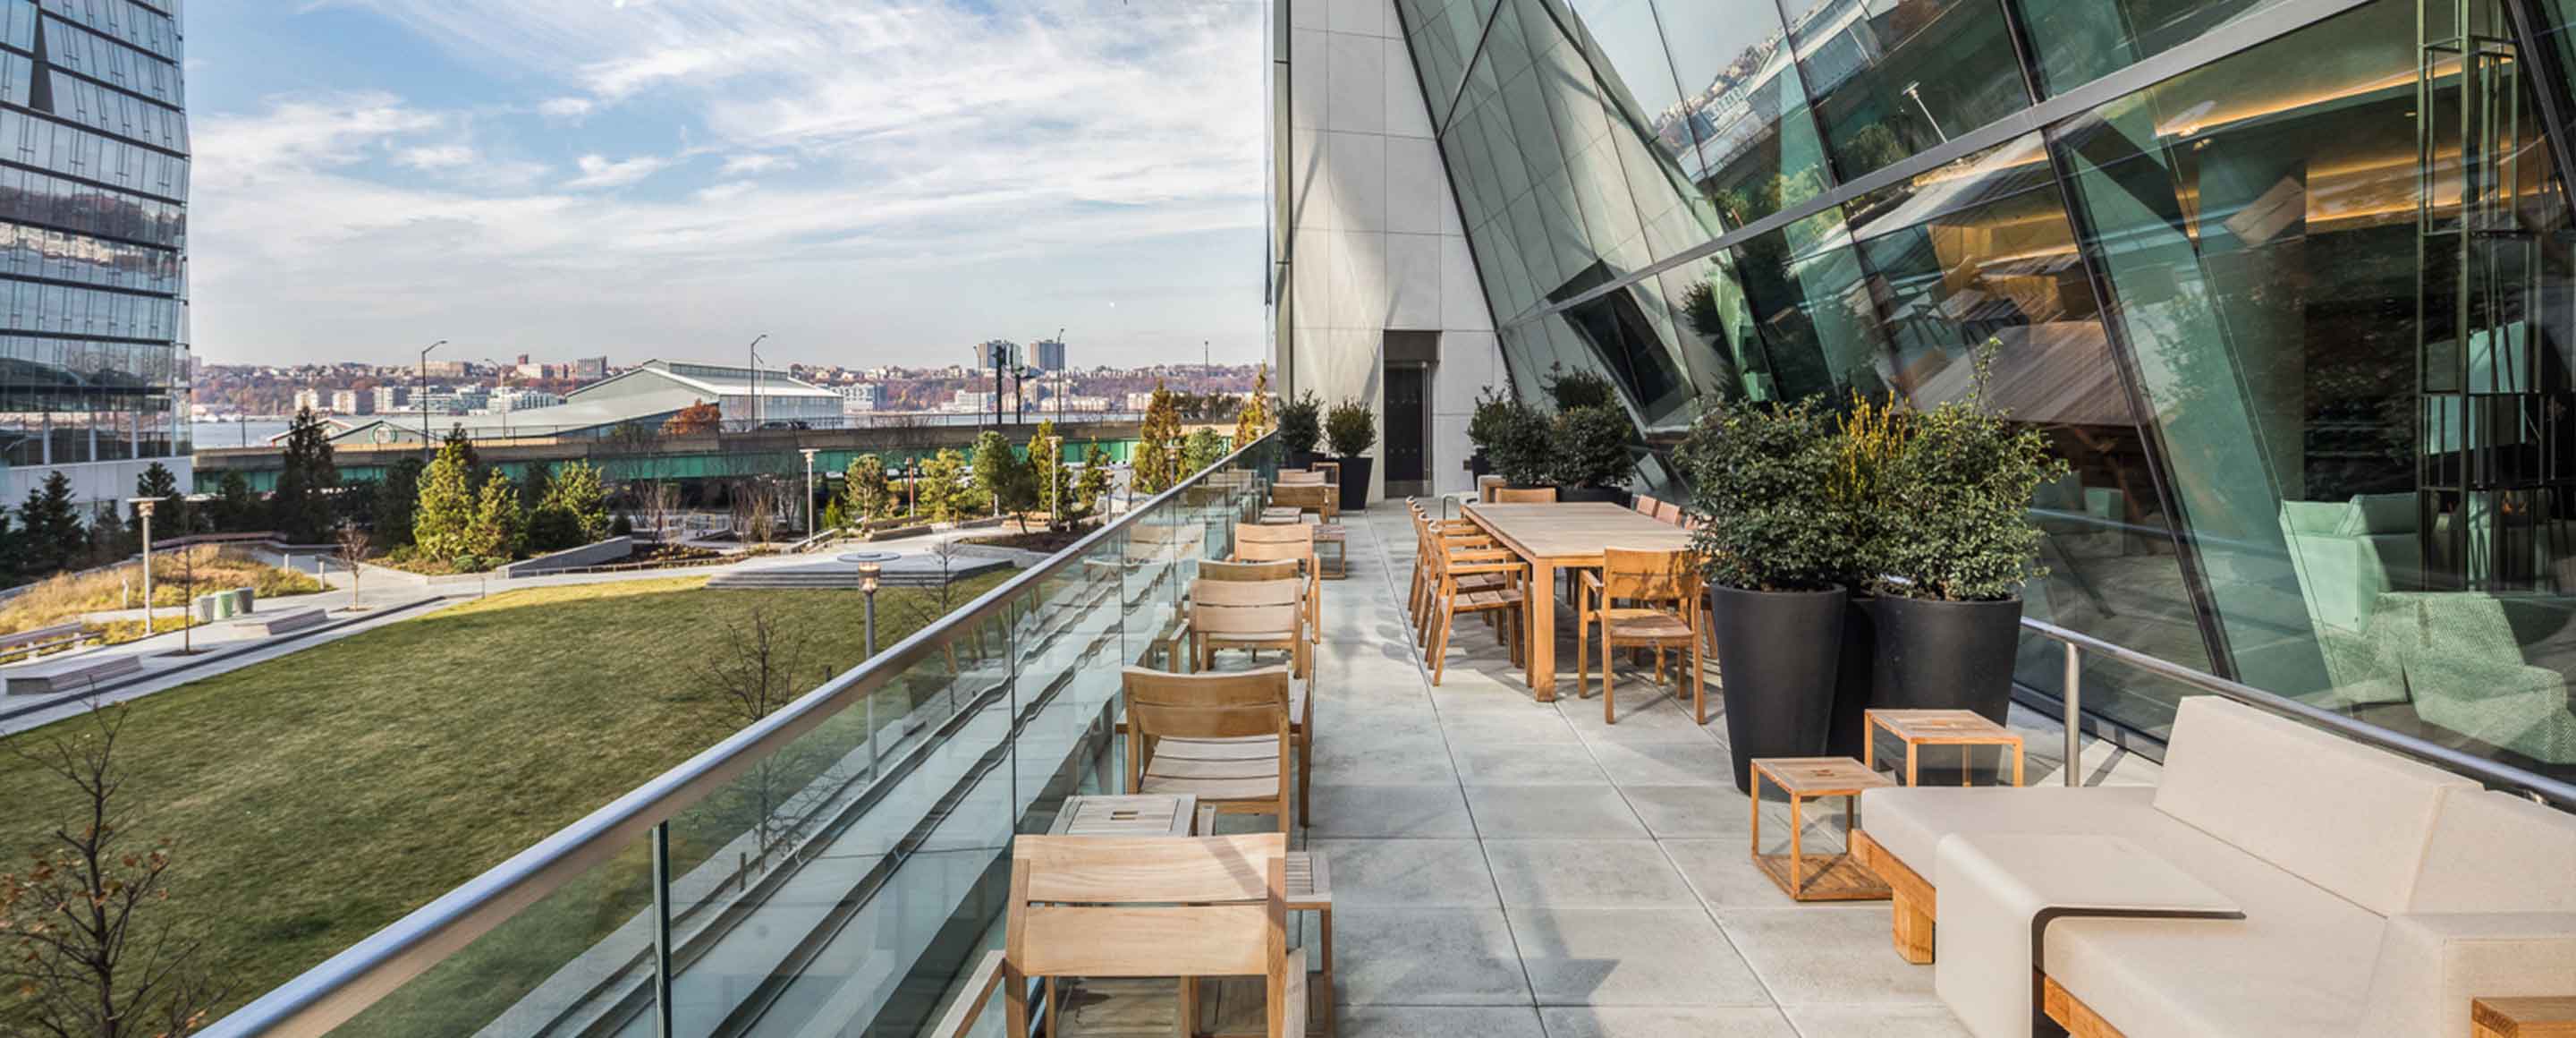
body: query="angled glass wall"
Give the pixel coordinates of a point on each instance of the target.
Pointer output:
(2287, 282)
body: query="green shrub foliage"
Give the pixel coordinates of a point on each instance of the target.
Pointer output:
(1762, 479)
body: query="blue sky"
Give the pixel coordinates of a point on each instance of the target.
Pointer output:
(867, 181)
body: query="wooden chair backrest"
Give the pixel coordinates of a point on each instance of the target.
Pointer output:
(1649, 576)
(1486, 485)
(1314, 497)
(1643, 504)
(1248, 607)
(1525, 495)
(1254, 542)
(1300, 478)
(1228, 705)
(1277, 569)
(1668, 512)
(1332, 471)
(1108, 906)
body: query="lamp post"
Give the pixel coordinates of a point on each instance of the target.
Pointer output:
(754, 350)
(420, 388)
(143, 507)
(808, 452)
(868, 573)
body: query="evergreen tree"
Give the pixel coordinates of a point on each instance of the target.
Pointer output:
(237, 510)
(300, 506)
(942, 491)
(1204, 448)
(1154, 462)
(864, 490)
(456, 438)
(573, 512)
(1093, 488)
(497, 520)
(170, 517)
(443, 523)
(13, 553)
(54, 537)
(396, 498)
(1002, 476)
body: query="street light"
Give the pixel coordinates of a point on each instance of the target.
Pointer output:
(420, 388)
(868, 572)
(143, 507)
(754, 350)
(809, 491)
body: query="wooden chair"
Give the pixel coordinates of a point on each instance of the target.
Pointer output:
(1325, 504)
(1223, 738)
(1486, 485)
(1525, 495)
(1668, 512)
(1257, 542)
(1113, 908)
(1642, 504)
(1219, 569)
(1299, 478)
(1451, 565)
(1429, 535)
(1252, 616)
(1664, 592)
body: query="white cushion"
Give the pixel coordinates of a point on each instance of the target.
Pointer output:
(2346, 817)
(2430, 967)
(2297, 966)
(2497, 853)
(1910, 822)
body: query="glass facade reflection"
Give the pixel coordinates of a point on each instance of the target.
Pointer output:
(2290, 285)
(93, 233)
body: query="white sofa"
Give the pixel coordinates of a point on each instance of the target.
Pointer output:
(2380, 895)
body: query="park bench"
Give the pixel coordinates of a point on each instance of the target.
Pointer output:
(43, 638)
(71, 676)
(290, 620)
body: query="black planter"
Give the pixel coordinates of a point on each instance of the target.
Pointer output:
(1934, 655)
(1301, 460)
(1355, 482)
(1780, 650)
(1607, 495)
(1479, 466)
(1855, 690)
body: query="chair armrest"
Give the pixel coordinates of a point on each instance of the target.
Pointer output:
(1487, 567)
(1292, 1010)
(1479, 554)
(2431, 966)
(970, 1002)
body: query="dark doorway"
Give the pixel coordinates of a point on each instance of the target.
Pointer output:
(1408, 420)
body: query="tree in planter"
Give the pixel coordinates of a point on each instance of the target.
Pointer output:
(1351, 429)
(172, 511)
(1301, 425)
(1523, 445)
(84, 949)
(1591, 446)
(1494, 412)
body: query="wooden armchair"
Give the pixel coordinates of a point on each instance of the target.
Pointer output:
(1113, 908)
(1524, 495)
(1664, 595)
(1223, 738)
(1256, 542)
(1451, 566)
(1252, 616)
(1429, 535)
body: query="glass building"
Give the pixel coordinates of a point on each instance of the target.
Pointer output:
(93, 239)
(2288, 282)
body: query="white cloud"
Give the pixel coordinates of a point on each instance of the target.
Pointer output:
(567, 108)
(750, 165)
(436, 156)
(726, 191)
(599, 173)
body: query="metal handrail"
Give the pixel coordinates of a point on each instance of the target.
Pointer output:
(347, 983)
(2538, 787)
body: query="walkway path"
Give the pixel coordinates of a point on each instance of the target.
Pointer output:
(1514, 869)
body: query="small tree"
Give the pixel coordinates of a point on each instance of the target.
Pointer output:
(1301, 425)
(699, 417)
(659, 502)
(573, 512)
(1351, 429)
(866, 491)
(53, 529)
(1003, 477)
(498, 522)
(942, 490)
(443, 524)
(1154, 443)
(1254, 418)
(237, 510)
(397, 497)
(300, 506)
(1092, 489)
(82, 943)
(349, 544)
(753, 674)
(1204, 448)
(172, 512)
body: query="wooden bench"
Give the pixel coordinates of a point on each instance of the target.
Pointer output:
(43, 638)
(71, 676)
(290, 620)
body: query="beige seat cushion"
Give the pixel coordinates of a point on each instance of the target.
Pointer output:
(1910, 822)
(2348, 818)
(2497, 853)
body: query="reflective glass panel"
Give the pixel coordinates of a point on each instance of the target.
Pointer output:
(1894, 77)
(2078, 41)
(1758, 150)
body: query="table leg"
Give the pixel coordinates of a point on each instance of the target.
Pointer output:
(1797, 851)
(1542, 649)
(2016, 764)
(1909, 763)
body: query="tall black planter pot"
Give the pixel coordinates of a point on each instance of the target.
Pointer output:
(1855, 679)
(1301, 460)
(1780, 651)
(1603, 495)
(1479, 466)
(1934, 655)
(1355, 482)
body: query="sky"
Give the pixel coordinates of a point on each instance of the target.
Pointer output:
(865, 181)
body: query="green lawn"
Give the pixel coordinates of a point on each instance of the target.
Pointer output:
(315, 798)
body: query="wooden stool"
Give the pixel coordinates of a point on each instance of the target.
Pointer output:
(1965, 729)
(1835, 877)
(1337, 563)
(2520, 1017)
(1150, 814)
(1280, 516)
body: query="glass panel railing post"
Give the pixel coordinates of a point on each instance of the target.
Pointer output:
(2074, 696)
(662, 930)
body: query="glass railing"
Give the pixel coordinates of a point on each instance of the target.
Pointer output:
(830, 869)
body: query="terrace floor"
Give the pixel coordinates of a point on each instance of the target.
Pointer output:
(1505, 868)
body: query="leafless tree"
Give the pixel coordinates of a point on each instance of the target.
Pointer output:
(659, 501)
(351, 542)
(755, 509)
(753, 674)
(81, 941)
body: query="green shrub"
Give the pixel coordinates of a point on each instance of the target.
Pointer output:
(1301, 424)
(1762, 483)
(1591, 446)
(1351, 429)
(1494, 414)
(1957, 507)
(1574, 390)
(1524, 446)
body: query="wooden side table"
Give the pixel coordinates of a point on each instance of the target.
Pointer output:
(1965, 729)
(1817, 877)
(1141, 815)
(2523, 1018)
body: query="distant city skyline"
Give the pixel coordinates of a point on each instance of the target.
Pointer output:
(868, 182)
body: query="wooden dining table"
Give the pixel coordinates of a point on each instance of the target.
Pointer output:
(1566, 536)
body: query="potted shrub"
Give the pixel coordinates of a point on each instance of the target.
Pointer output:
(1958, 546)
(1869, 436)
(1592, 457)
(1774, 551)
(1523, 447)
(1301, 427)
(1350, 430)
(1495, 411)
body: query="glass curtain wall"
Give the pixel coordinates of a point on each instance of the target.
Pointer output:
(2288, 288)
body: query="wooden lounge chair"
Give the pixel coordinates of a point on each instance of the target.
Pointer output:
(1224, 738)
(1105, 912)
(1663, 594)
